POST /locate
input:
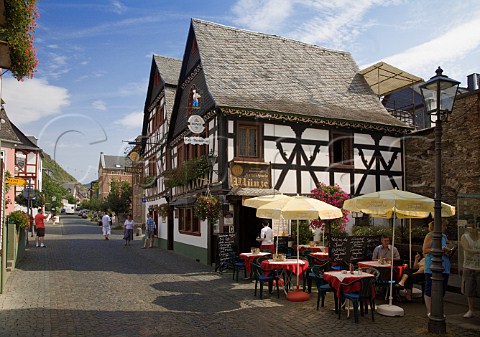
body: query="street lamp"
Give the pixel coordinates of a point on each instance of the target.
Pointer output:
(439, 95)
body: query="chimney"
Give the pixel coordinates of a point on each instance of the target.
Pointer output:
(473, 82)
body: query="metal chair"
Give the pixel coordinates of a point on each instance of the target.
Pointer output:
(365, 294)
(261, 276)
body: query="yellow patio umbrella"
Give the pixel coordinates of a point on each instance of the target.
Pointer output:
(263, 200)
(298, 208)
(395, 204)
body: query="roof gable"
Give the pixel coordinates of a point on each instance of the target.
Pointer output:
(250, 70)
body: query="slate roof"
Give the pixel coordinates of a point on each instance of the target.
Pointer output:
(255, 71)
(7, 133)
(26, 141)
(112, 162)
(169, 68)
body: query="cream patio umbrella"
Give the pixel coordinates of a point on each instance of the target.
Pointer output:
(263, 200)
(395, 204)
(298, 208)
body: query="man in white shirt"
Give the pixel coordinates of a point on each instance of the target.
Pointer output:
(106, 220)
(266, 237)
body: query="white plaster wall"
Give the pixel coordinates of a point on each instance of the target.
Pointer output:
(343, 180)
(358, 162)
(369, 185)
(197, 241)
(307, 183)
(289, 184)
(315, 134)
(361, 138)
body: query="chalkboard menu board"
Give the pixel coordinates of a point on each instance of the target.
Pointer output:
(225, 252)
(350, 248)
(282, 244)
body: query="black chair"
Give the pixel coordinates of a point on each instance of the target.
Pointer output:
(261, 276)
(384, 280)
(340, 265)
(311, 275)
(238, 264)
(289, 251)
(361, 297)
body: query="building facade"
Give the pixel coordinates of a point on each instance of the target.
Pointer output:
(111, 168)
(276, 115)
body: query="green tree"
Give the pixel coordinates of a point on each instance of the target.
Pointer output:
(119, 198)
(53, 192)
(71, 199)
(37, 201)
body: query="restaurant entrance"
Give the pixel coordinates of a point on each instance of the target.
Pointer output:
(248, 229)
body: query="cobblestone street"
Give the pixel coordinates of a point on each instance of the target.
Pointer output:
(81, 285)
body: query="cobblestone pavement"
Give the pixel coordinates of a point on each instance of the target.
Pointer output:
(81, 285)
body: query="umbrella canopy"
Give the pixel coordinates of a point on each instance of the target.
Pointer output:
(263, 200)
(395, 204)
(298, 208)
(401, 204)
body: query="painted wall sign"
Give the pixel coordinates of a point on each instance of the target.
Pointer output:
(195, 140)
(196, 124)
(250, 175)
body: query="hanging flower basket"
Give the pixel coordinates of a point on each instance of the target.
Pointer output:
(163, 210)
(20, 218)
(208, 207)
(148, 182)
(17, 25)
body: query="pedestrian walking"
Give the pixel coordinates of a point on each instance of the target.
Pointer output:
(40, 225)
(106, 228)
(149, 231)
(128, 230)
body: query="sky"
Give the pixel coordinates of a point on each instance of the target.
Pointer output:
(89, 90)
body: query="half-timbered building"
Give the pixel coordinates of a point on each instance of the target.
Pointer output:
(157, 112)
(277, 115)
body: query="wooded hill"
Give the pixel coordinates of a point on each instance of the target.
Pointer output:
(57, 173)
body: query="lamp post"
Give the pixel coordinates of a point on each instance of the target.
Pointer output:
(439, 95)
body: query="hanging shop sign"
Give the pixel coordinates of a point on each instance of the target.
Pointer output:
(195, 140)
(250, 175)
(196, 124)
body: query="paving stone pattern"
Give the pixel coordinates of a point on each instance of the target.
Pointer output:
(81, 285)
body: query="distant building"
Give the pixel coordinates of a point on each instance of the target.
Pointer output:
(111, 168)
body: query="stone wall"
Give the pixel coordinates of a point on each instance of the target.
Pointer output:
(460, 153)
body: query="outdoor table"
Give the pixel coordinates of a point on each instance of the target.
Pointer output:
(271, 248)
(302, 248)
(250, 257)
(320, 255)
(376, 264)
(287, 265)
(336, 278)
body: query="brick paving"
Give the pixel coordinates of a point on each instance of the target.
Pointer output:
(81, 285)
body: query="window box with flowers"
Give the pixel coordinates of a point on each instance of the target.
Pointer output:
(208, 207)
(148, 182)
(190, 170)
(17, 25)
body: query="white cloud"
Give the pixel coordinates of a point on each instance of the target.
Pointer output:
(99, 105)
(118, 7)
(262, 15)
(461, 40)
(133, 120)
(32, 99)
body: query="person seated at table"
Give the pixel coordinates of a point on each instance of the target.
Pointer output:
(385, 250)
(266, 236)
(412, 276)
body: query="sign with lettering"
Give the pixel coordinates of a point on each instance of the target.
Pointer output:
(225, 252)
(352, 248)
(15, 181)
(249, 174)
(196, 124)
(131, 169)
(195, 140)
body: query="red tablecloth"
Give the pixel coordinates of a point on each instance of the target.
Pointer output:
(249, 257)
(335, 278)
(375, 264)
(319, 255)
(289, 264)
(301, 248)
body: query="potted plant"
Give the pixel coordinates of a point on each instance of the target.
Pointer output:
(20, 218)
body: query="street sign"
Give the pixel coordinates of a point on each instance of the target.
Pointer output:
(28, 192)
(144, 200)
(15, 181)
